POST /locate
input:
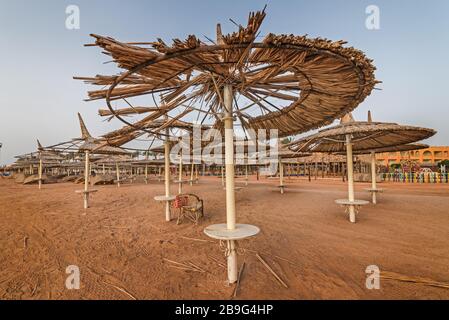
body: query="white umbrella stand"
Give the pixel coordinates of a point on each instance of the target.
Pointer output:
(230, 232)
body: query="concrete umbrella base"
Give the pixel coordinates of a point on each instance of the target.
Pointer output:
(374, 193)
(351, 206)
(86, 196)
(231, 236)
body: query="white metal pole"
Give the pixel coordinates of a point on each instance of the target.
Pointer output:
(180, 175)
(196, 174)
(222, 176)
(117, 170)
(86, 180)
(281, 176)
(192, 173)
(230, 192)
(40, 170)
(350, 168)
(167, 177)
(146, 174)
(373, 177)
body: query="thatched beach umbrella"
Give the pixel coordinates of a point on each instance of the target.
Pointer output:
(115, 160)
(374, 190)
(287, 83)
(357, 136)
(167, 198)
(46, 156)
(92, 146)
(38, 158)
(162, 150)
(284, 153)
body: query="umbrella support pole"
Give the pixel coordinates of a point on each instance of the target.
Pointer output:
(40, 171)
(146, 174)
(232, 261)
(373, 177)
(230, 231)
(350, 168)
(118, 175)
(86, 181)
(222, 176)
(192, 173)
(230, 182)
(167, 178)
(196, 174)
(86, 200)
(180, 175)
(281, 176)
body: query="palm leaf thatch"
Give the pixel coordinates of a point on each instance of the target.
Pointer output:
(399, 148)
(365, 136)
(285, 82)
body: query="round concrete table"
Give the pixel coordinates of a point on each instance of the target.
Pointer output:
(85, 194)
(356, 204)
(374, 192)
(164, 198)
(221, 232)
(282, 188)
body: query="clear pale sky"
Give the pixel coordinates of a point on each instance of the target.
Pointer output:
(39, 56)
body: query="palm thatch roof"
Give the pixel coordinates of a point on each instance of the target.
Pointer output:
(47, 157)
(95, 145)
(400, 148)
(365, 136)
(285, 153)
(324, 158)
(285, 82)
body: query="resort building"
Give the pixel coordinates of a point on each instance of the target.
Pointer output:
(430, 156)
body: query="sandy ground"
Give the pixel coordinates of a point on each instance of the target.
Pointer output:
(121, 243)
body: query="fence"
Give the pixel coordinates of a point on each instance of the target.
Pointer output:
(422, 177)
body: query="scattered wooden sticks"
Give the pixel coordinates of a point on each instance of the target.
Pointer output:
(234, 294)
(188, 266)
(34, 289)
(271, 270)
(121, 290)
(274, 256)
(399, 277)
(217, 261)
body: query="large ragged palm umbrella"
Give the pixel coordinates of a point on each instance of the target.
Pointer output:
(288, 83)
(359, 136)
